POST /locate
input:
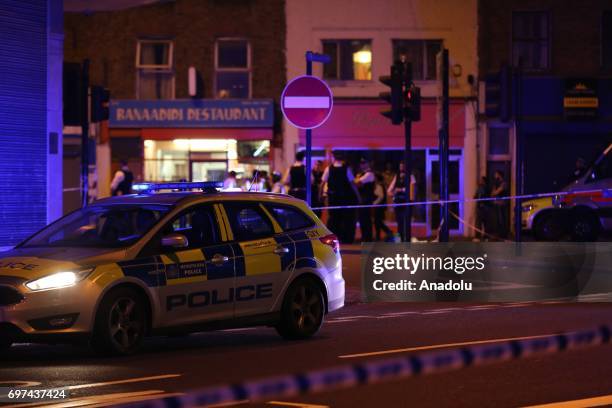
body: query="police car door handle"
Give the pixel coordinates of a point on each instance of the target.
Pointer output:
(219, 259)
(279, 250)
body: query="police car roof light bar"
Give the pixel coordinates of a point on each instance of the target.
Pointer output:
(205, 186)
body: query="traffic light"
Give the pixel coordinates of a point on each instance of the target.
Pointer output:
(99, 103)
(395, 97)
(412, 103)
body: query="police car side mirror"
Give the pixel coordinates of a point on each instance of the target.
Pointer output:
(175, 241)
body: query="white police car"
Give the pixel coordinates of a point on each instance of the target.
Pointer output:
(171, 263)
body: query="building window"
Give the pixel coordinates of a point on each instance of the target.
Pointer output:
(351, 60)
(531, 40)
(606, 40)
(422, 55)
(499, 141)
(232, 68)
(155, 69)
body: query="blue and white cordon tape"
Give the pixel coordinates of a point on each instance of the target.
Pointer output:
(376, 371)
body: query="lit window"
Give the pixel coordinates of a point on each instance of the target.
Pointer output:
(232, 69)
(422, 55)
(350, 59)
(155, 69)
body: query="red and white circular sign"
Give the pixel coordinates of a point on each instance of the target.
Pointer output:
(306, 102)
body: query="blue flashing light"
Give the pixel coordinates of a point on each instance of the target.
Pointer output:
(206, 186)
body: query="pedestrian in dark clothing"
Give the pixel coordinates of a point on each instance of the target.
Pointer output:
(365, 183)
(500, 207)
(317, 175)
(340, 189)
(482, 208)
(122, 182)
(295, 177)
(398, 191)
(380, 197)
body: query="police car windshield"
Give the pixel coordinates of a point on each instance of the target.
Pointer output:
(109, 226)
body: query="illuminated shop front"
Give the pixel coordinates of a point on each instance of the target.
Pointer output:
(194, 140)
(357, 129)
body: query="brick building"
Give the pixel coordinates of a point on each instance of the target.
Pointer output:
(229, 120)
(559, 99)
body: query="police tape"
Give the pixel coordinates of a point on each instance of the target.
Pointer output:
(377, 371)
(557, 194)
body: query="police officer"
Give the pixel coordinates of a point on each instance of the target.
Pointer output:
(365, 183)
(122, 182)
(295, 177)
(340, 189)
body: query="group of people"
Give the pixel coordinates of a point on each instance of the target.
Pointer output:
(336, 186)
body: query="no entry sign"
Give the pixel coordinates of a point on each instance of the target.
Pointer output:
(306, 102)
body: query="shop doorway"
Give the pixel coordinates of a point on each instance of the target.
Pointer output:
(455, 191)
(208, 170)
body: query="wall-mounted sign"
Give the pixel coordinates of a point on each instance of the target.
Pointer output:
(192, 113)
(580, 99)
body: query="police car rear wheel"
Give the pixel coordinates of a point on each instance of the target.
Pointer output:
(121, 323)
(303, 310)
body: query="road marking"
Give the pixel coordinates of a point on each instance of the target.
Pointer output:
(229, 404)
(128, 381)
(439, 346)
(580, 403)
(296, 404)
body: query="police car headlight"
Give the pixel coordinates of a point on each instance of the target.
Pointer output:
(59, 280)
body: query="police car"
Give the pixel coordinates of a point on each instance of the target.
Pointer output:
(170, 263)
(583, 211)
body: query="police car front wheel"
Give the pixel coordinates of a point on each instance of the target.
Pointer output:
(303, 310)
(121, 322)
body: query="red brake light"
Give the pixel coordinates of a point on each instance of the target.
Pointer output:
(332, 241)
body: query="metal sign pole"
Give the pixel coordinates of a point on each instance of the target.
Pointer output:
(85, 133)
(308, 141)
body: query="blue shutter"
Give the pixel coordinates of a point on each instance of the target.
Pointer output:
(23, 118)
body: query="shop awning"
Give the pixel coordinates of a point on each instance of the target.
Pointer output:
(358, 124)
(226, 133)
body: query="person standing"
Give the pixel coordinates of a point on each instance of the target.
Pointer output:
(340, 189)
(123, 180)
(380, 198)
(482, 208)
(317, 175)
(277, 186)
(295, 177)
(500, 189)
(397, 190)
(230, 182)
(365, 183)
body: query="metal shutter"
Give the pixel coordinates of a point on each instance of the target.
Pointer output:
(23, 118)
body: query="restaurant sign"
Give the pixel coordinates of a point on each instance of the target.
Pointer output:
(192, 113)
(580, 99)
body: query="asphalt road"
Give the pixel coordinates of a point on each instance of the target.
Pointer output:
(356, 333)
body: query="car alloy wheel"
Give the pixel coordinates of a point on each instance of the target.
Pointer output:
(121, 322)
(303, 310)
(126, 327)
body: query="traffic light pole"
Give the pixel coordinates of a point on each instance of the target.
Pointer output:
(408, 176)
(85, 134)
(443, 152)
